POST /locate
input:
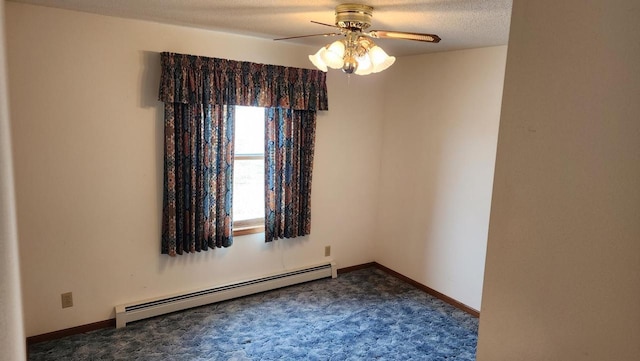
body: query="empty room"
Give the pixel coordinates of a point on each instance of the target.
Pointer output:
(245, 180)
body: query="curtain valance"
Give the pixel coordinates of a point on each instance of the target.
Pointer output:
(190, 79)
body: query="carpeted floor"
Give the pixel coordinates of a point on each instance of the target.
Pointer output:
(361, 315)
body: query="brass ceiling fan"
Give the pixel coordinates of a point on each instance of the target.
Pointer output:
(356, 53)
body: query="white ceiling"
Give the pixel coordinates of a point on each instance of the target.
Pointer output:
(461, 24)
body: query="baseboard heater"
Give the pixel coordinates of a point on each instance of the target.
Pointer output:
(159, 306)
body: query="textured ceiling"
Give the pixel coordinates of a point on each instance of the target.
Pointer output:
(460, 23)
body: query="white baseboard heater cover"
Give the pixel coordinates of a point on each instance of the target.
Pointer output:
(159, 306)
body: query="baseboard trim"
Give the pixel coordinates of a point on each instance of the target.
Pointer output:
(356, 267)
(110, 323)
(457, 304)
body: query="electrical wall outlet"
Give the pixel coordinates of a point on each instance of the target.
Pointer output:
(67, 299)
(327, 251)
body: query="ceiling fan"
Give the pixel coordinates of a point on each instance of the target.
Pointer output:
(356, 53)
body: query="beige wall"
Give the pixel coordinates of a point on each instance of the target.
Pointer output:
(563, 262)
(11, 326)
(87, 136)
(440, 132)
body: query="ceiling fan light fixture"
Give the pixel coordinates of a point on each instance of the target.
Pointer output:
(357, 55)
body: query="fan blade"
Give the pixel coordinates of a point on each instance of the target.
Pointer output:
(308, 36)
(319, 23)
(380, 34)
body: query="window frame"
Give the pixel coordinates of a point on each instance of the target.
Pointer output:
(254, 225)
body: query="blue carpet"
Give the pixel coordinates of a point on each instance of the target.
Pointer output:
(361, 315)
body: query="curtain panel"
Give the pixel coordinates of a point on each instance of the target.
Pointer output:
(199, 94)
(288, 153)
(198, 175)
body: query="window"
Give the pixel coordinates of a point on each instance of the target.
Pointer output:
(248, 171)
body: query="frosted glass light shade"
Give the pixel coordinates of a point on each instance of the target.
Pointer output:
(333, 55)
(377, 55)
(380, 59)
(387, 63)
(316, 60)
(365, 67)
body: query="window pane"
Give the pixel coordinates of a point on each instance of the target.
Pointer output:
(248, 189)
(249, 130)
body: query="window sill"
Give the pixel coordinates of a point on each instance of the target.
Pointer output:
(248, 226)
(242, 231)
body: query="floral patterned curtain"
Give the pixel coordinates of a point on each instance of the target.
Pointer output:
(198, 177)
(190, 79)
(199, 94)
(289, 146)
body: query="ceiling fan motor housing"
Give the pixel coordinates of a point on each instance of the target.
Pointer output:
(353, 16)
